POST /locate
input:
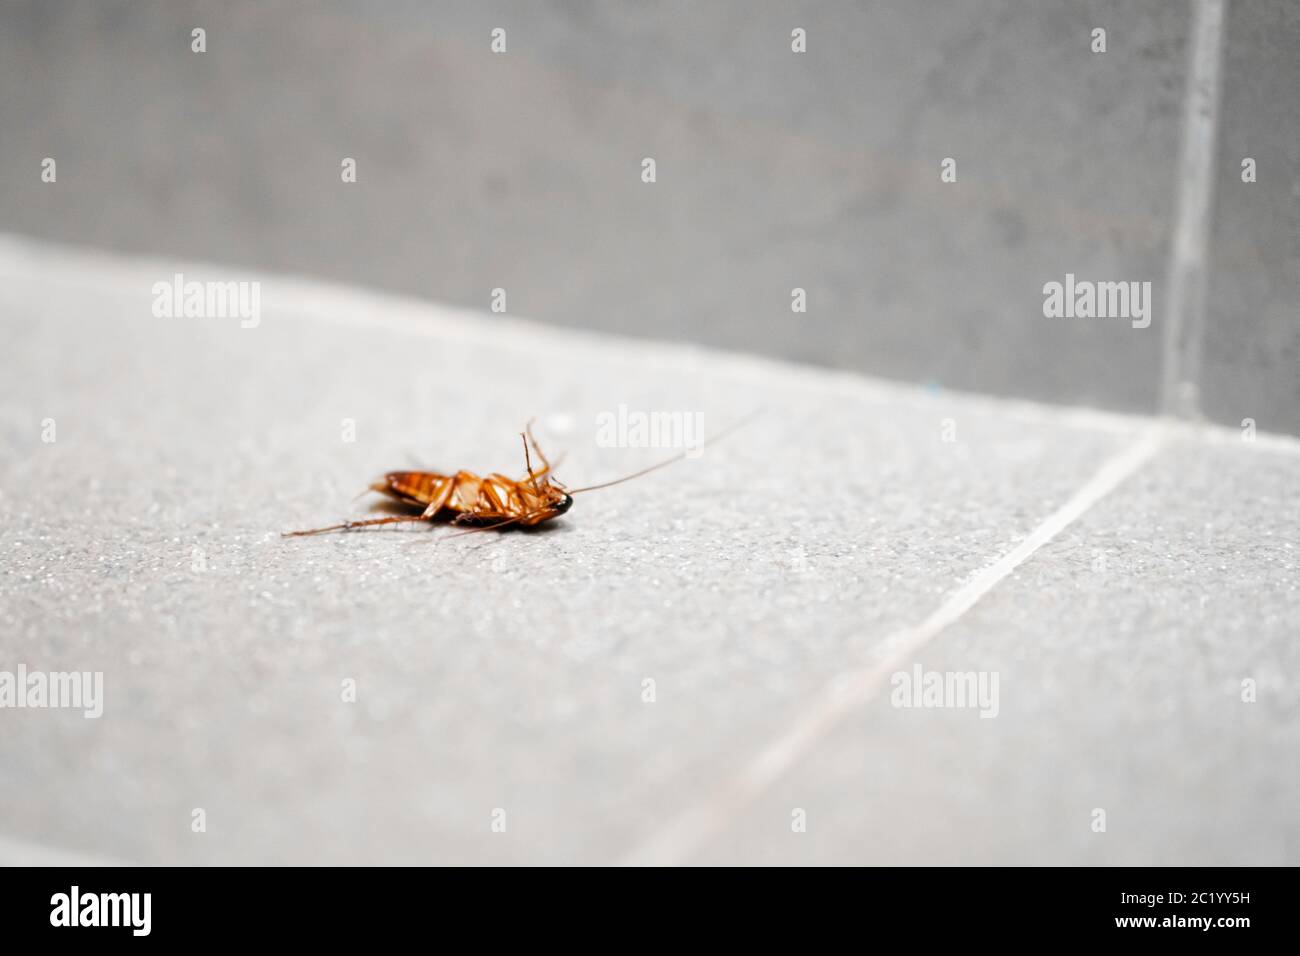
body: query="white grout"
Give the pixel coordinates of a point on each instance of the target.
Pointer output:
(688, 833)
(1188, 248)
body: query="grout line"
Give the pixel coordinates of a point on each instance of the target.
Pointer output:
(683, 836)
(1188, 252)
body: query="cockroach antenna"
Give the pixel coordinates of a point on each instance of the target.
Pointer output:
(676, 458)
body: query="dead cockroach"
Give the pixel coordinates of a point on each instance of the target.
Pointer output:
(487, 503)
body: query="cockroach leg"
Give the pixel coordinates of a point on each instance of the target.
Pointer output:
(546, 465)
(528, 463)
(349, 525)
(440, 499)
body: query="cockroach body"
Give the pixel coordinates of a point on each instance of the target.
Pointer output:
(468, 499)
(485, 503)
(472, 500)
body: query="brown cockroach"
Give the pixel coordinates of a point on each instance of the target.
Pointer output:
(487, 503)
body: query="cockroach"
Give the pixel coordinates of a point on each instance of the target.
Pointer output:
(492, 502)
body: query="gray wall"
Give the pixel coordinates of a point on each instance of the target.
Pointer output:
(775, 170)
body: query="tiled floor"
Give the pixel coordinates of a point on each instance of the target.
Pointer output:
(752, 585)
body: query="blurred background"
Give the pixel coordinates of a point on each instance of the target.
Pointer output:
(775, 170)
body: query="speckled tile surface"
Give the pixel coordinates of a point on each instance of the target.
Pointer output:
(1121, 652)
(493, 671)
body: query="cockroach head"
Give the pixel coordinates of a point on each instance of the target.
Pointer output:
(551, 502)
(555, 498)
